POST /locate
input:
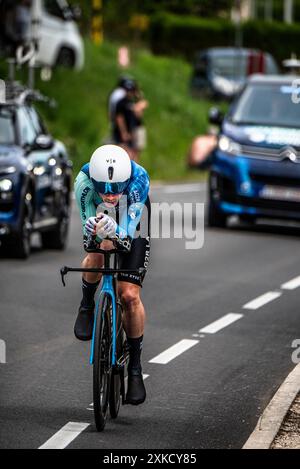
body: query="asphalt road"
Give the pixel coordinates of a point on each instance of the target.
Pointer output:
(210, 395)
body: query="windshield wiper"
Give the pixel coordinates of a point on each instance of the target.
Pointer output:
(265, 124)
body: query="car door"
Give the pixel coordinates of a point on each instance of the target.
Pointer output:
(52, 32)
(37, 159)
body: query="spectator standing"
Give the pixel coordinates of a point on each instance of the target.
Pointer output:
(116, 95)
(127, 116)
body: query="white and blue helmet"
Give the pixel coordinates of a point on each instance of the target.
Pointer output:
(110, 169)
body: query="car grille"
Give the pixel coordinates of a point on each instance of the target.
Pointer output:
(271, 180)
(273, 154)
(265, 203)
(6, 206)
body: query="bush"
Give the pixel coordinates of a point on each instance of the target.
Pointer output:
(184, 35)
(173, 119)
(171, 34)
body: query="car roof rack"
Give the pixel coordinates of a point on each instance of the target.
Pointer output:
(18, 95)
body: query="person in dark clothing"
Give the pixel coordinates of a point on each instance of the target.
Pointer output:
(128, 119)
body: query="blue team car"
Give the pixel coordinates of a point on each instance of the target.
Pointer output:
(255, 171)
(35, 179)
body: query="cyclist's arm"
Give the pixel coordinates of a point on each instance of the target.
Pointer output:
(130, 220)
(84, 191)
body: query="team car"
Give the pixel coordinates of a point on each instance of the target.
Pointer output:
(35, 178)
(255, 171)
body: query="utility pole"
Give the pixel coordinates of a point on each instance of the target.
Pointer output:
(248, 9)
(2, 92)
(269, 10)
(252, 9)
(288, 11)
(97, 21)
(237, 19)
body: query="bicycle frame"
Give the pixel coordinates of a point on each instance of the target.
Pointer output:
(108, 288)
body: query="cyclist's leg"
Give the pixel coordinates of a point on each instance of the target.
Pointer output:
(134, 311)
(85, 320)
(92, 261)
(133, 321)
(129, 289)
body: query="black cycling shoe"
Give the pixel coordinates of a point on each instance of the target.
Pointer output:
(84, 324)
(136, 393)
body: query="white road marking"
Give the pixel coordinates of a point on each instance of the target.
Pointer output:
(181, 188)
(221, 323)
(292, 284)
(262, 300)
(65, 436)
(173, 352)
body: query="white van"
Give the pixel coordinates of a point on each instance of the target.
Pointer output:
(60, 42)
(50, 22)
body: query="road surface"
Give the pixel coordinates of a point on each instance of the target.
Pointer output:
(221, 321)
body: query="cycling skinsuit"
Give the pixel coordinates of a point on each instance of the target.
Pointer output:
(133, 215)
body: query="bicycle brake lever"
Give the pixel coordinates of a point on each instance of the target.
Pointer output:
(63, 273)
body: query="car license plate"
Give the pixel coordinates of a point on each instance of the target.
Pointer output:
(280, 193)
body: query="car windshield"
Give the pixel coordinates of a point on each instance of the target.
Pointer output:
(7, 134)
(269, 105)
(229, 66)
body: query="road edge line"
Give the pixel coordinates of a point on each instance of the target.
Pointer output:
(270, 421)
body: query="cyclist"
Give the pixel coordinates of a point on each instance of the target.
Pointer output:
(112, 195)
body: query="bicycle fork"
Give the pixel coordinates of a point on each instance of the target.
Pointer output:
(107, 288)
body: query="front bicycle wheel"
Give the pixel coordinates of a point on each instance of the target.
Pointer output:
(102, 362)
(118, 373)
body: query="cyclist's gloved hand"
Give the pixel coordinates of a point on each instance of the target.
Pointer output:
(107, 227)
(91, 226)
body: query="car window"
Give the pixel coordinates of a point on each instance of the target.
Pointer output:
(271, 66)
(200, 69)
(36, 121)
(267, 105)
(229, 66)
(7, 133)
(28, 133)
(59, 9)
(52, 7)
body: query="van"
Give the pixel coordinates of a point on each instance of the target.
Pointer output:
(51, 22)
(221, 72)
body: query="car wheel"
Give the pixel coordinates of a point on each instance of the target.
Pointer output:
(66, 58)
(215, 218)
(19, 246)
(247, 219)
(57, 238)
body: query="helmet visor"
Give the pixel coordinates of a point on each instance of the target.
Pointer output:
(110, 187)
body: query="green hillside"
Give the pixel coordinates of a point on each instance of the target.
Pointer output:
(172, 119)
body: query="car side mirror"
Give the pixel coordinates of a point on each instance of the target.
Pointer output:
(215, 116)
(43, 142)
(76, 12)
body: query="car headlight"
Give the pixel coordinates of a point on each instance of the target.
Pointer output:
(8, 170)
(227, 145)
(39, 170)
(6, 185)
(52, 161)
(223, 85)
